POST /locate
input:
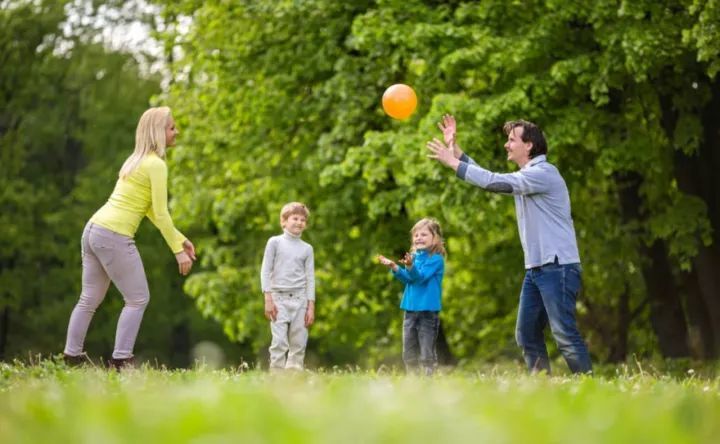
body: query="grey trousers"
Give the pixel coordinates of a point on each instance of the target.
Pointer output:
(109, 256)
(420, 332)
(289, 334)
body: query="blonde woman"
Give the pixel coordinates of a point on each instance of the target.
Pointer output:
(108, 249)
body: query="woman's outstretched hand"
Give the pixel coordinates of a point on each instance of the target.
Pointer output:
(189, 249)
(184, 262)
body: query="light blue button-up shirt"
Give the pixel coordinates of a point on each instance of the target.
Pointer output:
(542, 205)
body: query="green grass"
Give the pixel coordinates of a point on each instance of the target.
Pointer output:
(48, 402)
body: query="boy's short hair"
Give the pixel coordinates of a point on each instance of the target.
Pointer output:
(293, 208)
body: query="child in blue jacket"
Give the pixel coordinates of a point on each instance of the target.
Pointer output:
(422, 273)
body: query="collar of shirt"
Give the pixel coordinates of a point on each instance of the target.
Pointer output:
(290, 235)
(535, 160)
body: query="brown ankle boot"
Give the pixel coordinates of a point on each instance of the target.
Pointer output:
(76, 361)
(121, 364)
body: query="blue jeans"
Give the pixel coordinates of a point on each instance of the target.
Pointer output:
(548, 296)
(420, 331)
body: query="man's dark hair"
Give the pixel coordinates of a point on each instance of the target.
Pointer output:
(531, 133)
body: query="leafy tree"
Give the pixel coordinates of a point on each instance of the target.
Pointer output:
(280, 101)
(69, 107)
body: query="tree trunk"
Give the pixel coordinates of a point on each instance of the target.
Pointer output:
(4, 326)
(618, 346)
(180, 345)
(696, 175)
(700, 329)
(707, 264)
(666, 311)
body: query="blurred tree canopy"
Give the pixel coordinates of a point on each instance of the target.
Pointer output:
(280, 100)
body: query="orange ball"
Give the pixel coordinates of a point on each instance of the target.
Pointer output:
(399, 101)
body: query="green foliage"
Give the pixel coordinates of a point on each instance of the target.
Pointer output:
(279, 101)
(69, 108)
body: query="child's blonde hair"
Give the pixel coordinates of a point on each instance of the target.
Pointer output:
(433, 226)
(149, 138)
(293, 208)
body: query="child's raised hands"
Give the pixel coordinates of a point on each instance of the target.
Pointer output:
(407, 260)
(387, 262)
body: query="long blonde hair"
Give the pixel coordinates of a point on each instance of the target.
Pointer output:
(433, 226)
(149, 138)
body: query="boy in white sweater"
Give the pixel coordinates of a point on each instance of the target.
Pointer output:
(288, 283)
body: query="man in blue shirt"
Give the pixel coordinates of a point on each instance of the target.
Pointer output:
(552, 263)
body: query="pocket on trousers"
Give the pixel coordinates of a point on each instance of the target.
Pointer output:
(409, 319)
(97, 241)
(574, 278)
(572, 282)
(103, 250)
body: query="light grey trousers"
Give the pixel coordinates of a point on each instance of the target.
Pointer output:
(109, 256)
(289, 334)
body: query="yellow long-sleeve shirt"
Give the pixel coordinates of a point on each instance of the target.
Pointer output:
(142, 193)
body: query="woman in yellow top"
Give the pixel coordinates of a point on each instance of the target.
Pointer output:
(108, 249)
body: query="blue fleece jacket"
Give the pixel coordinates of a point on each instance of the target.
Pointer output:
(423, 282)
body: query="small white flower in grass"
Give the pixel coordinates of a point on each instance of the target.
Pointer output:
(503, 385)
(691, 372)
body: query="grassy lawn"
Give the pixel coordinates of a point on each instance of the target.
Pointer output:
(48, 402)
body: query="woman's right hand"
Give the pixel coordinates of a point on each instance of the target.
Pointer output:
(184, 262)
(189, 248)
